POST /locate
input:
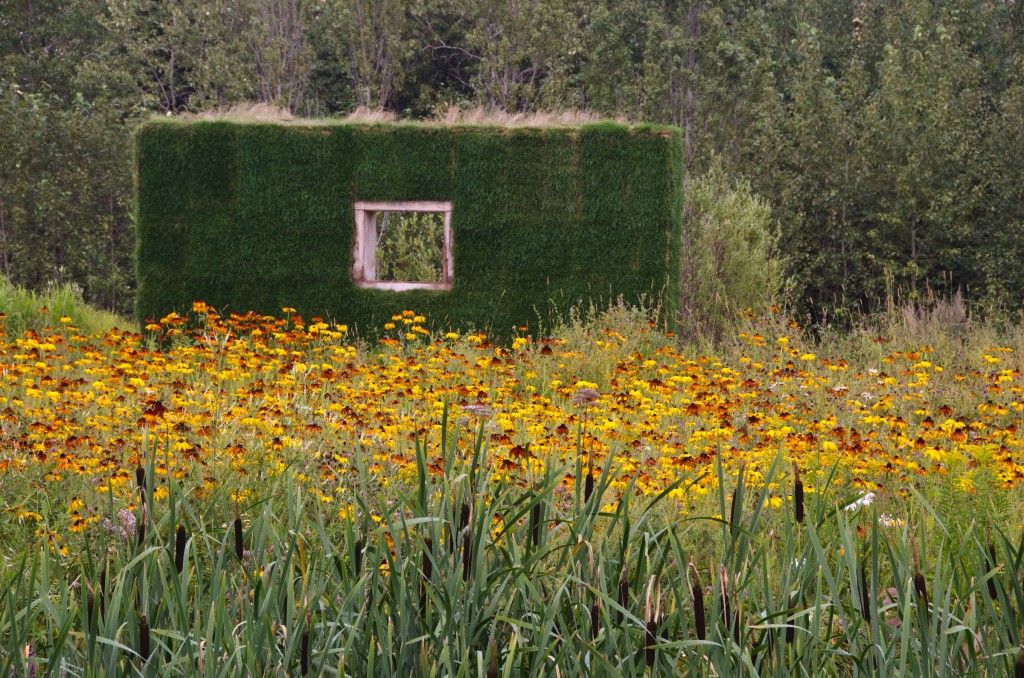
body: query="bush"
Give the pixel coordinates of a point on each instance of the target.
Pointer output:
(729, 259)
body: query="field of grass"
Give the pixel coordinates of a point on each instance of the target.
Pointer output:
(266, 495)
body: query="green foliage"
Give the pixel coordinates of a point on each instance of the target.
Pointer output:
(410, 246)
(260, 216)
(27, 310)
(729, 258)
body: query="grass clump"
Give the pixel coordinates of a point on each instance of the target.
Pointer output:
(28, 310)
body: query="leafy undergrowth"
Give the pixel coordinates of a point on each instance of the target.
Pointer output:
(262, 495)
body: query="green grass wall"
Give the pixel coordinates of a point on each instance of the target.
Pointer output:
(257, 216)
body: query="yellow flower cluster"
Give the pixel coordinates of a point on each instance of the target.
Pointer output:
(234, 401)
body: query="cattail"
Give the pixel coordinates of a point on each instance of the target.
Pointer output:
(426, 572)
(463, 517)
(732, 508)
(921, 587)
(790, 631)
(90, 603)
(730, 617)
(798, 496)
(140, 480)
(358, 560)
(652, 610)
(140, 527)
(588, 486)
(595, 619)
(650, 638)
(699, 619)
(143, 638)
(467, 554)
(1018, 668)
(865, 599)
(304, 654)
(535, 520)
(103, 589)
(992, 565)
(179, 548)
(492, 668)
(239, 543)
(623, 596)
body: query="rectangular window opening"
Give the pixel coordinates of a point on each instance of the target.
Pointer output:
(403, 245)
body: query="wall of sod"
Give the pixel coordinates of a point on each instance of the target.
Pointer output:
(258, 216)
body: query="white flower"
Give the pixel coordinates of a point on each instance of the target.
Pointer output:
(861, 503)
(885, 520)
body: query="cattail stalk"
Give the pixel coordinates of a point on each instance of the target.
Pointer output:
(179, 548)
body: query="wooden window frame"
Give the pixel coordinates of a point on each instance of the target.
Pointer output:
(364, 253)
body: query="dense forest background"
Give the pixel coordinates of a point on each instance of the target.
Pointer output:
(883, 139)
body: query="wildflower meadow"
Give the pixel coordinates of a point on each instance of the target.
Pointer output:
(245, 494)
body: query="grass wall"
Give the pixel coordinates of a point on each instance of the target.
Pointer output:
(252, 216)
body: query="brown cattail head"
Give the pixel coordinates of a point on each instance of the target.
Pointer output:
(730, 617)
(1018, 667)
(595, 619)
(652, 613)
(623, 595)
(140, 526)
(865, 598)
(699, 614)
(140, 480)
(650, 639)
(467, 554)
(492, 667)
(921, 587)
(464, 516)
(358, 559)
(304, 651)
(588, 486)
(103, 588)
(798, 496)
(239, 542)
(143, 638)
(181, 538)
(993, 564)
(90, 603)
(427, 567)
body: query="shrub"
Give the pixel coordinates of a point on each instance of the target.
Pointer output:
(729, 259)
